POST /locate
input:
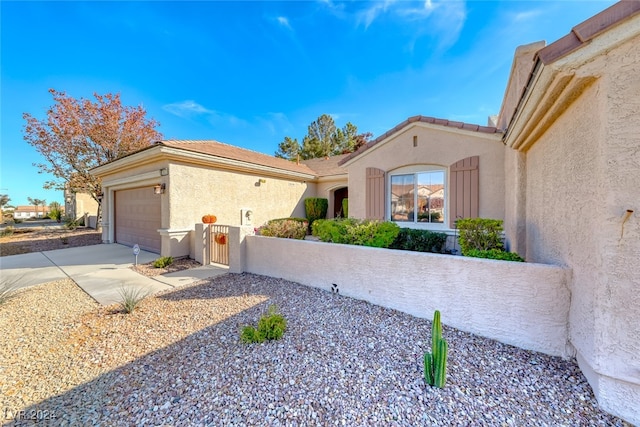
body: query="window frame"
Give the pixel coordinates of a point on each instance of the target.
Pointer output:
(415, 170)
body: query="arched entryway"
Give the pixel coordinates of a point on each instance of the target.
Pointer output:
(338, 196)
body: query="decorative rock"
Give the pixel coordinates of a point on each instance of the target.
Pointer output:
(179, 361)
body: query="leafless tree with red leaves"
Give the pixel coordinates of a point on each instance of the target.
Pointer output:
(80, 134)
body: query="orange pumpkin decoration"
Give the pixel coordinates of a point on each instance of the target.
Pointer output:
(221, 239)
(209, 219)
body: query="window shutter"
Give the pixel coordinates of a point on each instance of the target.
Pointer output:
(375, 194)
(464, 189)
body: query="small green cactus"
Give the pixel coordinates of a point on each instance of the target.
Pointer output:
(435, 363)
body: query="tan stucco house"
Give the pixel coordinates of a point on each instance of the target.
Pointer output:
(426, 172)
(155, 196)
(560, 165)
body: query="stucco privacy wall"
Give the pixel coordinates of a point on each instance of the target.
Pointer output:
(582, 175)
(520, 304)
(436, 145)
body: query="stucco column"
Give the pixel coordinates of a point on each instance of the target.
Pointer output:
(515, 215)
(237, 248)
(201, 244)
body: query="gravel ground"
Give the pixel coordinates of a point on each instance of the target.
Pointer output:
(178, 360)
(26, 240)
(178, 264)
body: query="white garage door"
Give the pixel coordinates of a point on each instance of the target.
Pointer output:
(137, 218)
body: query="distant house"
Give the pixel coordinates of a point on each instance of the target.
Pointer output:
(26, 212)
(81, 206)
(560, 165)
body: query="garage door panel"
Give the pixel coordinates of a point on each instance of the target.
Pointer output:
(137, 218)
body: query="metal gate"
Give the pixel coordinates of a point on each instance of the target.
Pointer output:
(219, 244)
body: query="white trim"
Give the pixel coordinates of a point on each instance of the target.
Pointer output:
(169, 232)
(132, 179)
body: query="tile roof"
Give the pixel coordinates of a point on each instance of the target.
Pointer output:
(31, 208)
(231, 152)
(423, 119)
(326, 166)
(587, 30)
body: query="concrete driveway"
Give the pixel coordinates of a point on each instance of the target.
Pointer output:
(100, 270)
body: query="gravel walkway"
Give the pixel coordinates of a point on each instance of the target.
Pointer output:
(179, 361)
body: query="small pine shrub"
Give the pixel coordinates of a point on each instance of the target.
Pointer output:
(271, 326)
(345, 208)
(163, 262)
(131, 297)
(251, 335)
(479, 233)
(287, 228)
(315, 208)
(410, 239)
(494, 254)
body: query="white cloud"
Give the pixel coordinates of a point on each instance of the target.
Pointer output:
(440, 19)
(276, 123)
(190, 109)
(370, 14)
(186, 108)
(336, 9)
(282, 20)
(527, 15)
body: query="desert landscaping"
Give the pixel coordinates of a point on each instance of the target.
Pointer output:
(178, 359)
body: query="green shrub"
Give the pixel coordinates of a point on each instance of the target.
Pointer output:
(163, 261)
(56, 214)
(71, 223)
(345, 208)
(250, 334)
(130, 298)
(287, 228)
(315, 208)
(479, 233)
(494, 254)
(292, 218)
(351, 231)
(271, 326)
(8, 231)
(409, 239)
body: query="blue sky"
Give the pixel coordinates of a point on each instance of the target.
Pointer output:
(251, 73)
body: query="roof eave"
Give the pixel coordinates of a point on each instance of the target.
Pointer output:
(162, 152)
(555, 85)
(476, 131)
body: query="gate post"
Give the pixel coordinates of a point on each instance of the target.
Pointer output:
(202, 244)
(237, 248)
